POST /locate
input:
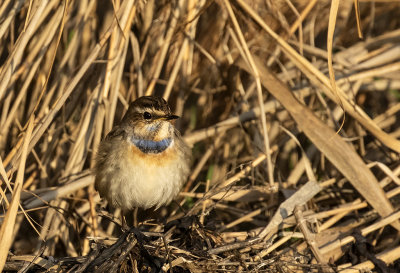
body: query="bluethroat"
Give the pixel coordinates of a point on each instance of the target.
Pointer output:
(143, 161)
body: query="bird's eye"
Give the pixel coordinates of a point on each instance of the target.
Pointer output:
(146, 115)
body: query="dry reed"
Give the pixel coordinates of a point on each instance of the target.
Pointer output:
(293, 120)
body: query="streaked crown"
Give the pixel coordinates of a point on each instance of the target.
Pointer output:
(149, 109)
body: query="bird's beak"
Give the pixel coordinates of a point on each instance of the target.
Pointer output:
(169, 117)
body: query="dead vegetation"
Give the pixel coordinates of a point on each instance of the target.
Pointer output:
(301, 188)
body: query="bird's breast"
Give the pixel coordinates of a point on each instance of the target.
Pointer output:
(151, 146)
(153, 153)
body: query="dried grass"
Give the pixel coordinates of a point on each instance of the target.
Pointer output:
(301, 188)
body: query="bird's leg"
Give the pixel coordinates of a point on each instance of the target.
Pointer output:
(124, 225)
(135, 212)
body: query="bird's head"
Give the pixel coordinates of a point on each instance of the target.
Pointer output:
(150, 118)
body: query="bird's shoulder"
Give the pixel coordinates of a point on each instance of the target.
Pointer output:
(112, 140)
(118, 132)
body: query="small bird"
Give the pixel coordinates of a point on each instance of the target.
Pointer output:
(143, 161)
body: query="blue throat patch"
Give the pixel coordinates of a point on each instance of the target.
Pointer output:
(151, 146)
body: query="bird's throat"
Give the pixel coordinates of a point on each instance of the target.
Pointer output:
(151, 146)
